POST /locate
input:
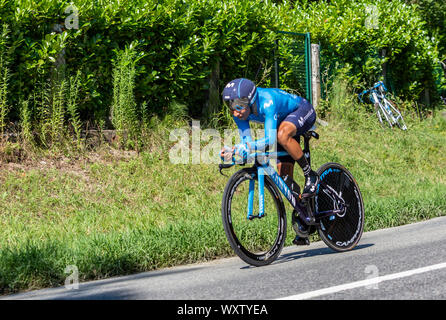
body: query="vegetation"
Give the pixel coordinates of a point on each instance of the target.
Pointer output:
(353, 34)
(434, 14)
(143, 68)
(179, 44)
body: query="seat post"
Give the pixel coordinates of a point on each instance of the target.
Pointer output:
(307, 136)
(306, 148)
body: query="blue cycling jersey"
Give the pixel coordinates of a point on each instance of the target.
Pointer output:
(273, 105)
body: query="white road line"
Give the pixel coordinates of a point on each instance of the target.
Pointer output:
(362, 283)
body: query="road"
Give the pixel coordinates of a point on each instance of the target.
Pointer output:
(407, 262)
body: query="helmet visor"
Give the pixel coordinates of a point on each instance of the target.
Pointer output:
(237, 104)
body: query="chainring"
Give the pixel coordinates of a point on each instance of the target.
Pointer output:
(296, 221)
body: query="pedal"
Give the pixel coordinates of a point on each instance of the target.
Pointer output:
(301, 241)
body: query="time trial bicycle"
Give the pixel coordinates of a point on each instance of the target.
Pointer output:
(256, 230)
(385, 110)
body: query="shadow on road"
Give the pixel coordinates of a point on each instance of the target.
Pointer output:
(309, 253)
(315, 252)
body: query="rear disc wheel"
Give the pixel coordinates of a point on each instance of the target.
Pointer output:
(340, 232)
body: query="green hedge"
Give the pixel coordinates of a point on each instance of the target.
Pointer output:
(352, 33)
(181, 42)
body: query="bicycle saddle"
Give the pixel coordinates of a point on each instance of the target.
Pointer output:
(310, 133)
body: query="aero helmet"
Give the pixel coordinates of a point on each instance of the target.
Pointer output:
(239, 94)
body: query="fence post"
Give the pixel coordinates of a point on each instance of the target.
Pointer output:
(309, 67)
(427, 98)
(315, 75)
(316, 80)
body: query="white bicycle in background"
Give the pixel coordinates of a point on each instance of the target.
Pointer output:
(387, 113)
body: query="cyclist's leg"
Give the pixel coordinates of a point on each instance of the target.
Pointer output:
(285, 168)
(303, 117)
(297, 123)
(285, 138)
(285, 164)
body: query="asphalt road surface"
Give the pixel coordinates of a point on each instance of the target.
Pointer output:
(407, 262)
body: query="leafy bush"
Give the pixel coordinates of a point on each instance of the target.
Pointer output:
(4, 105)
(124, 112)
(353, 34)
(72, 107)
(181, 43)
(433, 12)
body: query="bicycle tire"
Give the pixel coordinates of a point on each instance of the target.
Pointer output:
(399, 119)
(239, 228)
(340, 233)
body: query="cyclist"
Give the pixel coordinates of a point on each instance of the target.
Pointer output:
(284, 116)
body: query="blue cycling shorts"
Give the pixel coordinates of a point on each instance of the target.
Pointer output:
(303, 119)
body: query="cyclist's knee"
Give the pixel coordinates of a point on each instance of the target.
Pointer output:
(282, 137)
(284, 134)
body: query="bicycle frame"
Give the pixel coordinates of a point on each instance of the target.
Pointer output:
(263, 167)
(381, 101)
(377, 95)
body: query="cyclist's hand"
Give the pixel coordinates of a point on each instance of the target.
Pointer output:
(226, 153)
(242, 150)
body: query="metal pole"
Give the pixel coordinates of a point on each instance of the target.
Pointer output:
(308, 66)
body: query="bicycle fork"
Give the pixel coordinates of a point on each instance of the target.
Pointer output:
(261, 181)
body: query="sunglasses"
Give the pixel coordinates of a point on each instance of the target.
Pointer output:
(237, 104)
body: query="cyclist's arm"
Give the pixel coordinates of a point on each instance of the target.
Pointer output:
(270, 128)
(244, 130)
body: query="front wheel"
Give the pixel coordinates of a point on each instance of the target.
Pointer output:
(341, 232)
(257, 241)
